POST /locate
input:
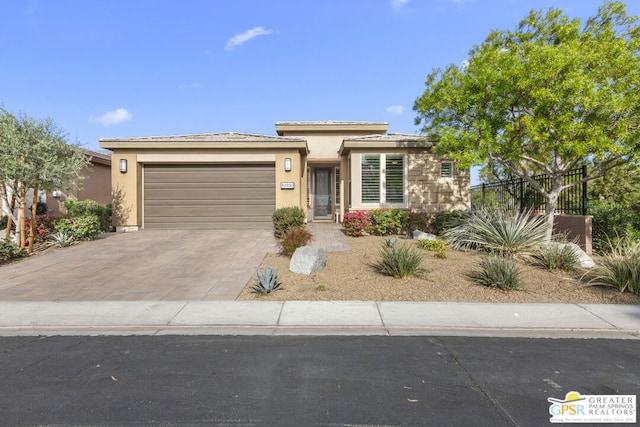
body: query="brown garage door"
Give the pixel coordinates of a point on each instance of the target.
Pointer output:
(209, 196)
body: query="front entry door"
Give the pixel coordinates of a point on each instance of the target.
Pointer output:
(322, 205)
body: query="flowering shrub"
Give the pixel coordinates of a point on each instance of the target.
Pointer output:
(85, 227)
(44, 226)
(357, 223)
(387, 221)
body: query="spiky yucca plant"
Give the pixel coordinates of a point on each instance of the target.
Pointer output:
(400, 260)
(620, 268)
(498, 272)
(557, 256)
(498, 231)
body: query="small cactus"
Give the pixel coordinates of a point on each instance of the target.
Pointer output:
(267, 281)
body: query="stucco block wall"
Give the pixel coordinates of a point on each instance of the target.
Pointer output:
(430, 193)
(577, 228)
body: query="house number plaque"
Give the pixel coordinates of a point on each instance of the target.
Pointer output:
(286, 185)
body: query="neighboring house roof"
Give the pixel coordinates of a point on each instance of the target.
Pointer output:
(330, 125)
(206, 140)
(98, 157)
(390, 140)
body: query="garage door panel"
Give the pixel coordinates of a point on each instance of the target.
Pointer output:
(209, 196)
(187, 212)
(236, 193)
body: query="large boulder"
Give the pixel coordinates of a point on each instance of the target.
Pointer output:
(421, 235)
(307, 260)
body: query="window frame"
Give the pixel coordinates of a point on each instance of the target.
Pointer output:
(450, 177)
(382, 188)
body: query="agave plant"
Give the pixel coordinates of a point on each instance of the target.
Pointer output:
(61, 240)
(267, 281)
(498, 231)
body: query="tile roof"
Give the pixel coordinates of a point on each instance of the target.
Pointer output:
(209, 137)
(391, 137)
(97, 154)
(328, 122)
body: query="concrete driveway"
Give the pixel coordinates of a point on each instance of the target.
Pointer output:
(145, 265)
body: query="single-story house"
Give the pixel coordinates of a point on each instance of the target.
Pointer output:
(233, 180)
(96, 184)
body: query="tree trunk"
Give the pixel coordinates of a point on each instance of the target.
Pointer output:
(12, 206)
(552, 203)
(32, 224)
(23, 202)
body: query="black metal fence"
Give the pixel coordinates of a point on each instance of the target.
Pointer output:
(518, 194)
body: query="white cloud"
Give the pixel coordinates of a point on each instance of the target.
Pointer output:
(398, 4)
(395, 110)
(240, 39)
(188, 86)
(114, 117)
(464, 64)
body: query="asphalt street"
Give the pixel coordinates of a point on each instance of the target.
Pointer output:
(303, 381)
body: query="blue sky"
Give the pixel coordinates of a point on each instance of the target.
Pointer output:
(151, 67)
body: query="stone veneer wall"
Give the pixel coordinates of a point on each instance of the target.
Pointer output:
(428, 192)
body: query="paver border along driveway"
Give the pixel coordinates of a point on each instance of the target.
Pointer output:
(170, 265)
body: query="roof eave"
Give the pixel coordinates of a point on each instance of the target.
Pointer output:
(114, 144)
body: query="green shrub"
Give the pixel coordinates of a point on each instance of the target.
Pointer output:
(294, 239)
(443, 220)
(9, 250)
(80, 228)
(417, 221)
(498, 231)
(438, 246)
(400, 260)
(267, 281)
(611, 221)
(387, 221)
(357, 223)
(80, 208)
(284, 219)
(498, 272)
(3, 222)
(620, 268)
(557, 256)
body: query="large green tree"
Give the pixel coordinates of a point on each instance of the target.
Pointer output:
(34, 154)
(544, 98)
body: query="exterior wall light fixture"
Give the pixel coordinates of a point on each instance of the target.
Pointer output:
(123, 165)
(287, 164)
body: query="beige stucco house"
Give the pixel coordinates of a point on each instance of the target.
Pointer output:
(96, 184)
(232, 180)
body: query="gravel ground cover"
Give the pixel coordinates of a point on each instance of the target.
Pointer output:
(353, 276)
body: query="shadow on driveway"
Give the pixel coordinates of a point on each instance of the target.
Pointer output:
(145, 265)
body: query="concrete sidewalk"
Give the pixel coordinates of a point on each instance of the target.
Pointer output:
(319, 318)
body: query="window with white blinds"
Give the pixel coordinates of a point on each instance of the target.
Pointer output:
(394, 178)
(383, 178)
(371, 178)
